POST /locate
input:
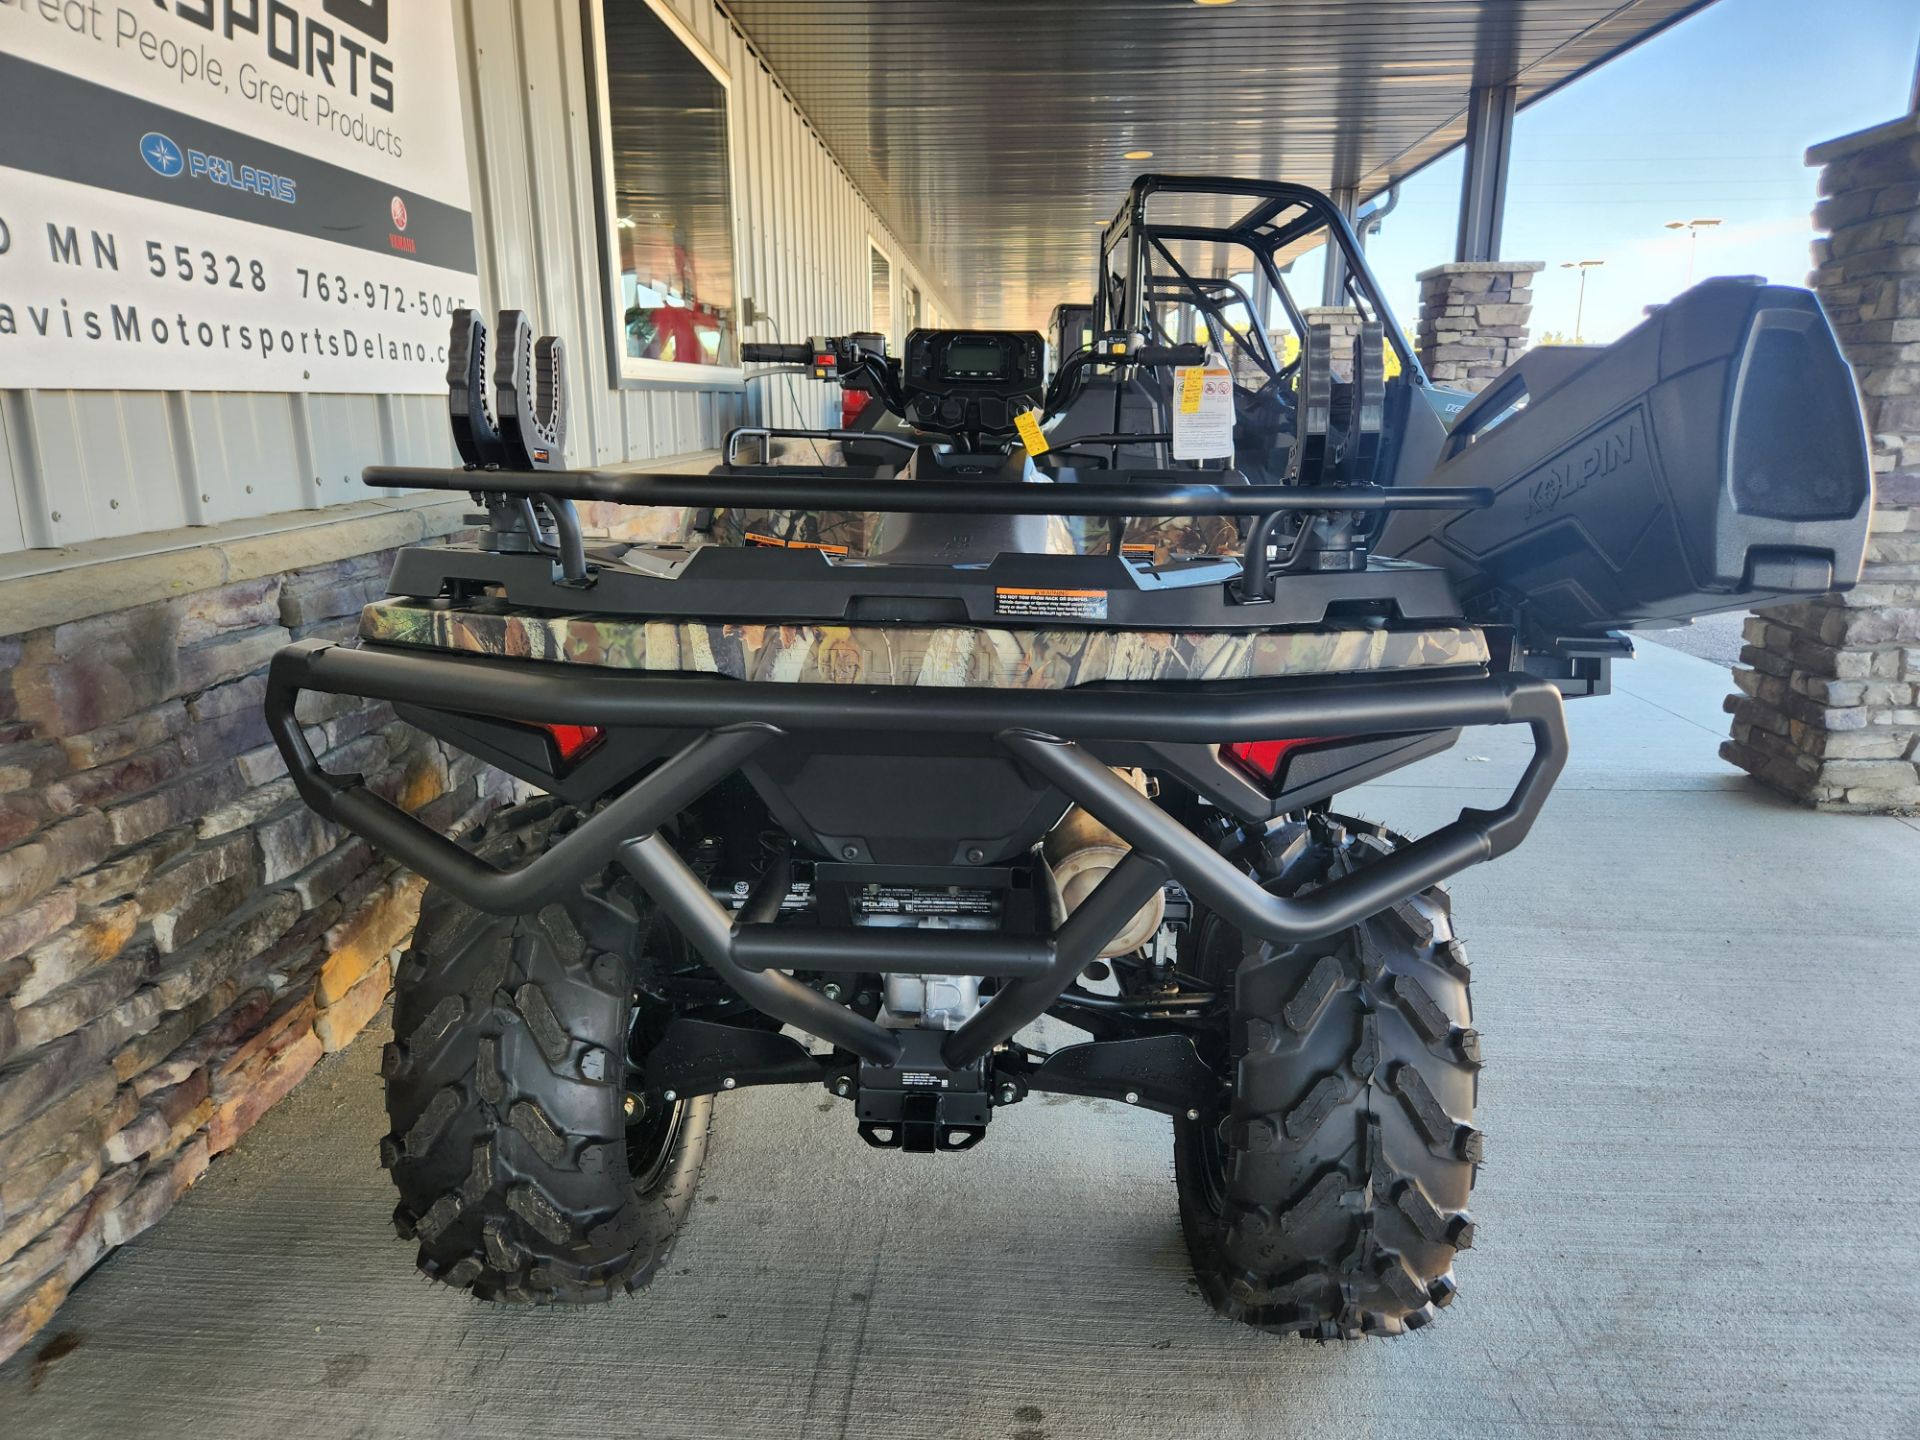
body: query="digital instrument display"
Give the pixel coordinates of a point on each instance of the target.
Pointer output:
(972, 380)
(975, 359)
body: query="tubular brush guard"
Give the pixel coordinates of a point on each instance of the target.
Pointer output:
(1039, 728)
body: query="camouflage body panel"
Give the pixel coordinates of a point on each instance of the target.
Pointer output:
(1176, 537)
(921, 655)
(838, 532)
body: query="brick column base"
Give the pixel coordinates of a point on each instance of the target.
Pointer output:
(1473, 319)
(1828, 710)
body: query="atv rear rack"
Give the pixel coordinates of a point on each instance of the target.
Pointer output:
(808, 487)
(1046, 730)
(805, 487)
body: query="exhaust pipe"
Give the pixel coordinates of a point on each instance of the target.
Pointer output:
(1080, 852)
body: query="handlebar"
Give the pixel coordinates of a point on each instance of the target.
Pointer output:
(860, 370)
(766, 354)
(1189, 354)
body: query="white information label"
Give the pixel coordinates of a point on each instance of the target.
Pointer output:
(1203, 411)
(231, 195)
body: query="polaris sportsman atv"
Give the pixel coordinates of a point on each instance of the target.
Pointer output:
(1036, 714)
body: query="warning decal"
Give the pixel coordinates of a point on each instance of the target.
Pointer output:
(774, 542)
(1050, 604)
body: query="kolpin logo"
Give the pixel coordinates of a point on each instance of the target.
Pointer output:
(163, 157)
(399, 212)
(1600, 457)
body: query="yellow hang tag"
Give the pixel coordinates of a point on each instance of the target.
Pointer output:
(1027, 422)
(1192, 381)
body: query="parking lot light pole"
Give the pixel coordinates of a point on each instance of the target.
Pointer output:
(1580, 306)
(1693, 229)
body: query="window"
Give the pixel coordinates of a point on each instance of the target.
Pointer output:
(911, 294)
(666, 182)
(881, 272)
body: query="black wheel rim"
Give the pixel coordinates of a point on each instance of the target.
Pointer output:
(652, 1137)
(1216, 962)
(653, 1125)
(1212, 1154)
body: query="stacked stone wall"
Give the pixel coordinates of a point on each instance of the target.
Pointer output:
(1474, 318)
(1829, 704)
(181, 939)
(1342, 324)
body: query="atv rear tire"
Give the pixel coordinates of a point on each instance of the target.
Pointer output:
(520, 1172)
(1327, 1194)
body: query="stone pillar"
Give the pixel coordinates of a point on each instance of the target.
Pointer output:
(1343, 326)
(1828, 711)
(1473, 319)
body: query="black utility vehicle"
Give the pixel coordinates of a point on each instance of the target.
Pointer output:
(879, 764)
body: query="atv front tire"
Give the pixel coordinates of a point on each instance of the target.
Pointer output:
(521, 1172)
(1327, 1194)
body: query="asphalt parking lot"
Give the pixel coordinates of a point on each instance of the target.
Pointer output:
(1697, 1215)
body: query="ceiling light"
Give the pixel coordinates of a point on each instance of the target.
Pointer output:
(1213, 2)
(1138, 155)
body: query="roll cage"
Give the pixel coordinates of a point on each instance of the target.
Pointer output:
(1140, 266)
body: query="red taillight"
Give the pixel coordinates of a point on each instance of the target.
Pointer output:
(1264, 759)
(852, 402)
(573, 741)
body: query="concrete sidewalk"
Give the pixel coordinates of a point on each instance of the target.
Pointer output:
(1698, 1215)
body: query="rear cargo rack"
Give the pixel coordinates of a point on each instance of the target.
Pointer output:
(808, 487)
(1155, 492)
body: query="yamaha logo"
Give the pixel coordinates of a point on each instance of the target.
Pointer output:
(399, 212)
(163, 157)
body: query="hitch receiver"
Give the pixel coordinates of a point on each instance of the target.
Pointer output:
(918, 1104)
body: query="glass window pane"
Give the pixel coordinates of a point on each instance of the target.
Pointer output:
(673, 210)
(881, 320)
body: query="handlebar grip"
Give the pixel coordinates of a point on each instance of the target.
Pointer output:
(1170, 355)
(776, 354)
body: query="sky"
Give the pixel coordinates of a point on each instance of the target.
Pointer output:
(1710, 120)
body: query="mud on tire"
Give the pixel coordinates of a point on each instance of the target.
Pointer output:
(1328, 1195)
(519, 1173)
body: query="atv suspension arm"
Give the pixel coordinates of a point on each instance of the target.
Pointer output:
(733, 719)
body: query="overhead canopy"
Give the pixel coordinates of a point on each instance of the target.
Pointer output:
(992, 134)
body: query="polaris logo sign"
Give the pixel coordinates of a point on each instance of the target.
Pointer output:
(165, 158)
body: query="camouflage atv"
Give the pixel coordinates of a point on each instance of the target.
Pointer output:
(860, 769)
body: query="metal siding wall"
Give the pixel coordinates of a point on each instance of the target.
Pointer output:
(124, 463)
(13, 534)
